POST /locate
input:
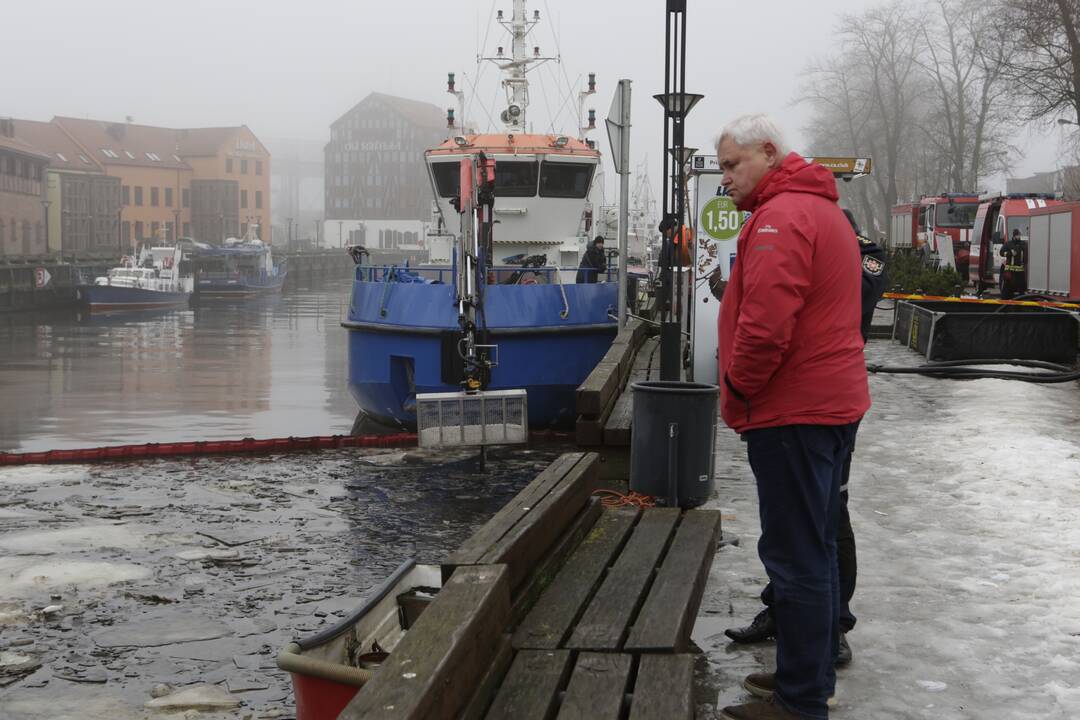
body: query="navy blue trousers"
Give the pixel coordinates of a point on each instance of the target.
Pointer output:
(799, 470)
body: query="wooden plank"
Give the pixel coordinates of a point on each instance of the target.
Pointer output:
(667, 617)
(617, 427)
(549, 622)
(531, 688)
(495, 529)
(644, 359)
(664, 688)
(545, 572)
(489, 683)
(589, 432)
(433, 670)
(606, 621)
(522, 547)
(599, 387)
(597, 687)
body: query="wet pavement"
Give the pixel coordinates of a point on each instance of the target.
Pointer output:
(966, 510)
(121, 582)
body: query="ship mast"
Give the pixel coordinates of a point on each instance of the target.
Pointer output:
(515, 68)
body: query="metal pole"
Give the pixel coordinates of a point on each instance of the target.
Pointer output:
(624, 196)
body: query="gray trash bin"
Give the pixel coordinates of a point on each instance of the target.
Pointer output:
(672, 443)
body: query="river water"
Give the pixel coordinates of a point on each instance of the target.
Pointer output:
(271, 367)
(121, 581)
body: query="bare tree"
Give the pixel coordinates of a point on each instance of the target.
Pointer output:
(921, 90)
(1044, 71)
(963, 54)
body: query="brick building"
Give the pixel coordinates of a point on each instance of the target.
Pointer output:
(375, 159)
(204, 183)
(22, 195)
(83, 203)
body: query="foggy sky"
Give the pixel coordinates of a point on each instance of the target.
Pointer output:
(288, 69)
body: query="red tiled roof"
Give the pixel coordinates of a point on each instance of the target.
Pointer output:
(50, 139)
(201, 142)
(132, 144)
(19, 145)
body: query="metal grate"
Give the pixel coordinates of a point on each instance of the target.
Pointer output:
(491, 417)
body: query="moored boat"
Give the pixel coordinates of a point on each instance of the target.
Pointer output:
(505, 312)
(157, 279)
(328, 668)
(239, 269)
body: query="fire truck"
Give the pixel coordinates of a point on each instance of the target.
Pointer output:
(1053, 263)
(938, 227)
(997, 218)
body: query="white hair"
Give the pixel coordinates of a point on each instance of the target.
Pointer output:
(753, 129)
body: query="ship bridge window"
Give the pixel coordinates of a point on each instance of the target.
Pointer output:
(565, 180)
(447, 178)
(959, 215)
(514, 178)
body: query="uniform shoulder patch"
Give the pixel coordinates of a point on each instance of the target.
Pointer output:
(872, 266)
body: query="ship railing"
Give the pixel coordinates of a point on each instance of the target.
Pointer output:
(498, 275)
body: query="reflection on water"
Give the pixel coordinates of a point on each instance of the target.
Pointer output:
(270, 367)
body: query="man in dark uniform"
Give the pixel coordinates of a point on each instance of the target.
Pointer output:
(763, 626)
(1014, 271)
(593, 263)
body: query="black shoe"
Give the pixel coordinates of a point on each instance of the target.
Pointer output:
(761, 629)
(843, 655)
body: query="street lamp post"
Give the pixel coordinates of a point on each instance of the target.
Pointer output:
(677, 104)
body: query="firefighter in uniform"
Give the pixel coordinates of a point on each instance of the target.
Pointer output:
(1014, 271)
(763, 627)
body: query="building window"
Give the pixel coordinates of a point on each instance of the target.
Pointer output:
(185, 196)
(153, 197)
(154, 228)
(138, 231)
(138, 197)
(169, 231)
(228, 165)
(258, 199)
(126, 230)
(125, 194)
(243, 198)
(187, 229)
(168, 197)
(243, 167)
(258, 167)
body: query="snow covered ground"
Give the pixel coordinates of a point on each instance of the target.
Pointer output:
(965, 500)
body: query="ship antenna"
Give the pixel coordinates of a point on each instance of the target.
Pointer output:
(517, 65)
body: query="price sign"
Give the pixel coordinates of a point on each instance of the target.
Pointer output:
(720, 219)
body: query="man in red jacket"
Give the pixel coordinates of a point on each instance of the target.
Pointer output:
(793, 384)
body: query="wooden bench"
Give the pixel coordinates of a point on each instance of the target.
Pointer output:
(556, 608)
(595, 686)
(646, 367)
(634, 584)
(595, 398)
(433, 671)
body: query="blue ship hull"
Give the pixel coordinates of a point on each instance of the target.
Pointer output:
(102, 298)
(401, 342)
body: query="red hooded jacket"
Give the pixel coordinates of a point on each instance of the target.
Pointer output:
(790, 348)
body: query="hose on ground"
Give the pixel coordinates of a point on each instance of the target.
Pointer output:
(968, 370)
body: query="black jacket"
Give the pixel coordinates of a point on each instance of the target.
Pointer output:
(873, 281)
(592, 264)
